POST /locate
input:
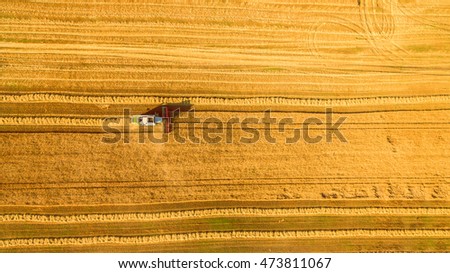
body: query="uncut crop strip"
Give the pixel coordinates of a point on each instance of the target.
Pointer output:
(233, 235)
(186, 214)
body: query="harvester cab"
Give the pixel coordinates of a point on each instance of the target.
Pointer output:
(146, 120)
(163, 116)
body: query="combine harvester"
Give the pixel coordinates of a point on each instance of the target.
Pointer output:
(154, 120)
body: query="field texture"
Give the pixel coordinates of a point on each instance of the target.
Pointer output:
(66, 66)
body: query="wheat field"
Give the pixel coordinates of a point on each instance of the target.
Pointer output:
(66, 66)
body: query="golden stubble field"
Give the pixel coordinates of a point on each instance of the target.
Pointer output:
(65, 66)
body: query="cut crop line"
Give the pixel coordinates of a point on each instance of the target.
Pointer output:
(225, 235)
(116, 121)
(58, 121)
(204, 213)
(252, 101)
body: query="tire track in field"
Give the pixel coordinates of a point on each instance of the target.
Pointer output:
(206, 213)
(204, 236)
(377, 27)
(240, 180)
(421, 19)
(378, 21)
(341, 22)
(264, 192)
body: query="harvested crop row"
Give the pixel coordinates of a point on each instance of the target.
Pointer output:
(154, 100)
(5, 243)
(125, 217)
(54, 121)
(62, 123)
